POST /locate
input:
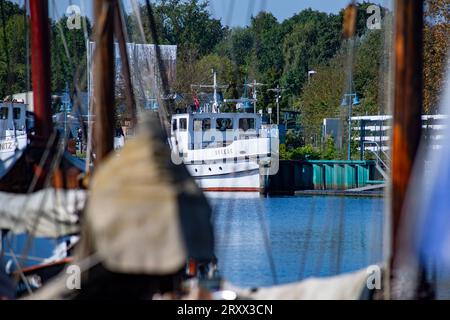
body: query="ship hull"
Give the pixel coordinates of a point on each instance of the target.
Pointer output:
(222, 177)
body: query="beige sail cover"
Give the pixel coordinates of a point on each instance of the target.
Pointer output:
(347, 286)
(46, 213)
(132, 218)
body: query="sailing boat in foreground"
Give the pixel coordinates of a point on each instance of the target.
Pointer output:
(146, 217)
(144, 223)
(40, 184)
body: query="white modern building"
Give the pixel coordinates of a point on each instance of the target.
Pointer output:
(375, 131)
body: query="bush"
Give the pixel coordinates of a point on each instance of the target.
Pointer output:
(305, 153)
(284, 154)
(329, 152)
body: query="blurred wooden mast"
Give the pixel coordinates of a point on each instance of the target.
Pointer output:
(408, 98)
(40, 67)
(119, 26)
(104, 78)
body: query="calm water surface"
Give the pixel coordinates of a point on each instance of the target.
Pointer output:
(261, 241)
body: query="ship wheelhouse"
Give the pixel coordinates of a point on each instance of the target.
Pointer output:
(213, 130)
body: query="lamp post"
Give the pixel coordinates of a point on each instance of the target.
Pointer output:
(345, 102)
(66, 107)
(310, 73)
(278, 92)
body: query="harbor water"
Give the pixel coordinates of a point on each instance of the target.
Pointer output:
(262, 241)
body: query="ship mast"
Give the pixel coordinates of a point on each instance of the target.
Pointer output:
(104, 75)
(255, 86)
(407, 112)
(40, 67)
(215, 87)
(215, 90)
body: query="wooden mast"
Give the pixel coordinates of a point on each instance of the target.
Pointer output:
(121, 39)
(104, 78)
(40, 67)
(408, 98)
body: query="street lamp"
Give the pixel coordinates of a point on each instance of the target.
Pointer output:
(310, 73)
(348, 101)
(278, 92)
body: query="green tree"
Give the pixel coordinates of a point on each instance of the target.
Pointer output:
(13, 56)
(201, 72)
(186, 23)
(368, 73)
(436, 48)
(321, 97)
(13, 60)
(329, 151)
(266, 62)
(64, 69)
(313, 40)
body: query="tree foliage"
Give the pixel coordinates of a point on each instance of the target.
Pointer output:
(436, 49)
(70, 65)
(13, 71)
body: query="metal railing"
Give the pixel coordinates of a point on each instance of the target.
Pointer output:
(385, 163)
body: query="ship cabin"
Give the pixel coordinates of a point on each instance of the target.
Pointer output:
(213, 130)
(14, 122)
(13, 116)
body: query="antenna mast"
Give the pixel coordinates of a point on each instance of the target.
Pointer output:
(215, 86)
(255, 86)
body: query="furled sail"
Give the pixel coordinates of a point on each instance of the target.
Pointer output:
(47, 213)
(347, 286)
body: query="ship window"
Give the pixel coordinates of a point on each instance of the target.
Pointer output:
(16, 113)
(183, 124)
(206, 124)
(174, 125)
(198, 123)
(246, 124)
(223, 124)
(3, 113)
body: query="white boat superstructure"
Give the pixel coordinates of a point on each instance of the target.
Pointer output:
(13, 132)
(224, 152)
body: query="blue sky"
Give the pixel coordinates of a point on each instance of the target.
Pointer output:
(281, 9)
(233, 12)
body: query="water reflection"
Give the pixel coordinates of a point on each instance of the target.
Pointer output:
(306, 236)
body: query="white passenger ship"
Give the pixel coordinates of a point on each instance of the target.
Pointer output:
(225, 152)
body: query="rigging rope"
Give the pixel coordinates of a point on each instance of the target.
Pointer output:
(307, 240)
